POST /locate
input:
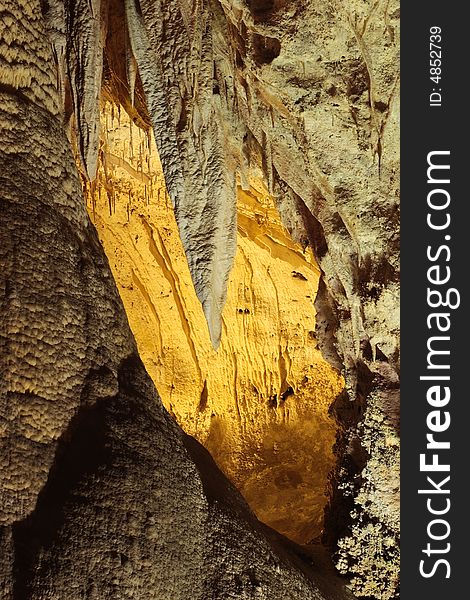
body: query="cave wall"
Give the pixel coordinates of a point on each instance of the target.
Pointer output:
(308, 93)
(102, 493)
(260, 402)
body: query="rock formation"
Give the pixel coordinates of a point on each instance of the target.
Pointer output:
(103, 496)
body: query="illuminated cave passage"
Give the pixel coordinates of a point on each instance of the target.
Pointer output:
(260, 402)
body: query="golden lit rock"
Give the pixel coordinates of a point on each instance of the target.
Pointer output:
(260, 402)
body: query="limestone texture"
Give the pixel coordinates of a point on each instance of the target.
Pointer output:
(102, 494)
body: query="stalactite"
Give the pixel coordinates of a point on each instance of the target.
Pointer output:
(191, 154)
(86, 32)
(149, 145)
(131, 72)
(54, 14)
(131, 142)
(110, 202)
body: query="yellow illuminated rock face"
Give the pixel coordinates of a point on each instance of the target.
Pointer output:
(260, 402)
